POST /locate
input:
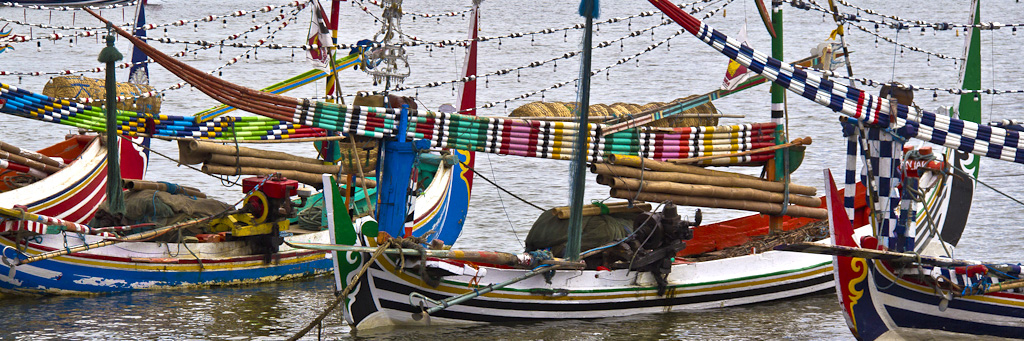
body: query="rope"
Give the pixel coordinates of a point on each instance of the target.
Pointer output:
(503, 208)
(341, 297)
(176, 161)
(499, 187)
(996, 190)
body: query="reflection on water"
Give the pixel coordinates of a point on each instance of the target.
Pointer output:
(276, 311)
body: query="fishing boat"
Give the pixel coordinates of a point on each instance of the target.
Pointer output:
(498, 286)
(49, 249)
(887, 287)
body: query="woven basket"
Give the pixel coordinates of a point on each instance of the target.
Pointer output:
(567, 109)
(76, 87)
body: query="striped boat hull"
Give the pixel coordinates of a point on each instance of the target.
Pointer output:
(382, 297)
(143, 266)
(150, 265)
(903, 306)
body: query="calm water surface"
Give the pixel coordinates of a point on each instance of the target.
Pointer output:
(682, 67)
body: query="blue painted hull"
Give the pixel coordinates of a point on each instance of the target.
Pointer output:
(118, 270)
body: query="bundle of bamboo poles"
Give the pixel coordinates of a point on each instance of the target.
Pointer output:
(235, 160)
(632, 177)
(22, 161)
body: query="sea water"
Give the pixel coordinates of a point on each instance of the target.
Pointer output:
(681, 67)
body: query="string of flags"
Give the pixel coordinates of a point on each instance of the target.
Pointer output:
(67, 8)
(99, 30)
(899, 25)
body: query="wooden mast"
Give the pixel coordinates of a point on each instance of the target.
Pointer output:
(115, 196)
(588, 9)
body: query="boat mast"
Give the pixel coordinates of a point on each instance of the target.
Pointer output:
(588, 9)
(115, 196)
(779, 165)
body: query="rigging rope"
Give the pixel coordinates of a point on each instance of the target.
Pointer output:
(344, 294)
(500, 188)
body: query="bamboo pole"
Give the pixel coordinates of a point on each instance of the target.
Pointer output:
(30, 155)
(997, 287)
(303, 177)
(193, 152)
(607, 171)
(746, 205)
(798, 142)
(129, 238)
(594, 210)
(710, 191)
(638, 162)
(246, 161)
(28, 163)
(140, 185)
(488, 257)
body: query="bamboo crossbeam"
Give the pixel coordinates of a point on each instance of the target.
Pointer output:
(30, 155)
(606, 170)
(28, 163)
(194, 151)
(798, 142)
(133, 237)
(303, 177)
(519, 260)
(246, 161)
(638, 162)
(562, 212)
(706, 191)
(746, 205)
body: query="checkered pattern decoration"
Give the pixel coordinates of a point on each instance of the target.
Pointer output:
(850, 190)
(884, 161)
(967, 137)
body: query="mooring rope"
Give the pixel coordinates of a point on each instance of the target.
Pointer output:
(499, 187)
(341, 297)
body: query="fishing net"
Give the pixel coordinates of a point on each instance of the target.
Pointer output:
(83, 87)
(567, 109)
(549, 232)
(162, 209)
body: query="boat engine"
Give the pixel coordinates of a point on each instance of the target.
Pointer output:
(265, 213)
(658, 238)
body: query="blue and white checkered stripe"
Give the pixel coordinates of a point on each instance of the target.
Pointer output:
(884, 163)
(850, 189)
(967, 137)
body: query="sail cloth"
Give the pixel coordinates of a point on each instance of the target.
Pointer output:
(735, 73)
(320, 37)
(968, 137)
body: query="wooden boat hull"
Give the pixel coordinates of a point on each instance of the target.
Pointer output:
(150, 265)
(382, 297)
(894, 305)
(75, 192)
(145, 266)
